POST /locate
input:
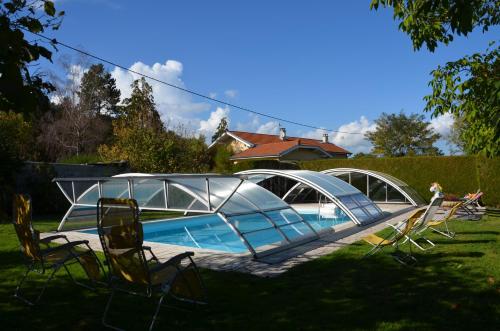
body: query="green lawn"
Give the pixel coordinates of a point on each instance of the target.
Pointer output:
(454, 286)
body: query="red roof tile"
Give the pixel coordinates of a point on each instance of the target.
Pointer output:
(260, 139)
(272, 149)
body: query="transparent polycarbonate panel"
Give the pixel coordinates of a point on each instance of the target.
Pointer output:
(116, 188)
(348, 202)
(89, 196)
(265, 240)
(197, 186)
(260, 197)
(149, 192)
(393, 195)
(329, 183)
(414, 195)
(156, 201)
(221, 188)
(361, 199)
(361, 215)
(297, 231)
(344, 175)
(391, 178)
(302, 194)
(180, 198)
(377, 192)
(250, 222)
(284, 216)
(374, 210)
(359, 181)
(377, 189)
(258, 178)
(67, 189)
(237, 204)
(81, 217)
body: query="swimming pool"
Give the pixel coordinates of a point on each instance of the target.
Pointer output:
(210, 232)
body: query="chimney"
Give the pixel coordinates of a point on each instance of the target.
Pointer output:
(282, 133)
(325, 138)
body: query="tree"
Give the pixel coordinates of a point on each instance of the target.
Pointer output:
(223, 125)
(436, 21)
(401, 135)
(362, 155)
(20, 89)
(140, 109)
(70, 128)
(454, 138)
(98, 93)
(469, 87)
(15, 145)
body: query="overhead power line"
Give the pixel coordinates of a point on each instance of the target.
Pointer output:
(56, 42)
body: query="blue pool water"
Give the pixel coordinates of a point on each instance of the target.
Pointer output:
(210, 232)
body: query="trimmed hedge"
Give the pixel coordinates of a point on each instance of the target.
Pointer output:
(263, 164)
(457, 174)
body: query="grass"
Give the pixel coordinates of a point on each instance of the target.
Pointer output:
(454, 286)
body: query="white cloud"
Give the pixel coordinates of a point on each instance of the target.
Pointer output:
(209, 126)
(442, 124)
(175, 106)
(255, 125)
(355, 143)
(271, 127)
(231, 93)
(213, 95)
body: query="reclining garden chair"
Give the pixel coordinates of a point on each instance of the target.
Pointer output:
(49, 259)
(394, 238)
(434, 224)
(470, 205)
(421, 224)
(130, 271)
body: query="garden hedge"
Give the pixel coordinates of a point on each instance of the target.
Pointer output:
(457, 174)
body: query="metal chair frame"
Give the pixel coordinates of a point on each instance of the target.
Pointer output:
(150, 289)
(39, 263)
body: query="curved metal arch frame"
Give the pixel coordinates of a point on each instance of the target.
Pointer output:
(210, 209)
(301, 180)
(167, 180)
(378, 176)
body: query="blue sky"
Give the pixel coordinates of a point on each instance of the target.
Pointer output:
(326, 63)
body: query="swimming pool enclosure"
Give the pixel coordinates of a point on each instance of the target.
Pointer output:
(263, 222)
(311, 187)
(249, 210)
(378, 186)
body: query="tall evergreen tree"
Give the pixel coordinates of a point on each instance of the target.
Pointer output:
(98, 93)
(140, 109)
(223, 125)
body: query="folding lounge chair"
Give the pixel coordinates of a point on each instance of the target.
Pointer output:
(130, 271)
(434, 224)
(49, 260)
(394, 238)
(422, 224)
(470, 205)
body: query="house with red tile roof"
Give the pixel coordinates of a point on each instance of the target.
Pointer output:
(247, 145)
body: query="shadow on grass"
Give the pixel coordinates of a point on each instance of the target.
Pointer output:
(462, 242)
(448, 289)
(478, 232)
